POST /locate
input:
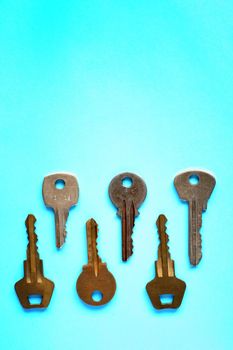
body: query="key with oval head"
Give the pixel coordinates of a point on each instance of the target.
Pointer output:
(197, 195)
(127, 200)
(33, 284)
(60, 199)
(95, 277)
(165, 285)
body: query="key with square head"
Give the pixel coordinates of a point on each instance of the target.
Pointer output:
(127, 200)
(165, 284)
(33, 284)
(60, 199)
(95, 279)
(195, 187)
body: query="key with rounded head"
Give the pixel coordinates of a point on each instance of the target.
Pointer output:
(195, 187)
(95, 277)
(165, 284)
(33, 284)
(60, 192)
(127, 200)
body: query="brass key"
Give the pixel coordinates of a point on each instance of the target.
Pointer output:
(165, 284)
(33, 284)
(95, 277)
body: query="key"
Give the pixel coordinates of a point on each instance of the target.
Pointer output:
(165, 284)
(95, 279)
(33, 283)
(197, 195)
(61, 200)
(127, 200)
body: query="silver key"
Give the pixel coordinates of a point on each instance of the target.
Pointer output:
(60, 200)
(197, 195)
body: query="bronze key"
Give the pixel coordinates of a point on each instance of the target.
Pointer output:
(165, 283)
(127, 200)
(95, 277)
(33, 283)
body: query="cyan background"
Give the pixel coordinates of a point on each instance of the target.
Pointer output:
(96, 88)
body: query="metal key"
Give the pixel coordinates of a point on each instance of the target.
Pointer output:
(165, 284)
(127, 200)
(95, 277)
(197, 196)
(33, 283)
(61, 200)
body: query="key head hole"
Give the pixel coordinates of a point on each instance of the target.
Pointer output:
(35, 299)
(127, 182)
(166, 299)
(60, 184)
(194, 180)
(97, 296)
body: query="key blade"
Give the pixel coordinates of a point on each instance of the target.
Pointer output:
(32, 249)
(164, 265)
(61, 216)
(195, 221)
(127, 220)
(93, 256)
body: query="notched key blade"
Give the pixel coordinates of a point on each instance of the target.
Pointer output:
(33, 283)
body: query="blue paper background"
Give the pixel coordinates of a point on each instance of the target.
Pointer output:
(96, 88)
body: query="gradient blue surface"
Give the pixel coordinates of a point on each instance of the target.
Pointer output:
(96, 88)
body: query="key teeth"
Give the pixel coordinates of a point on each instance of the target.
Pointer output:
(199, 246)
(96, 242)
(162, 231)
(92, 222)
(32, 236)
(195, 258)
(162, 228)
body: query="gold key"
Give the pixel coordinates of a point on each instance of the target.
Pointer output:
(165, 284)
(33, 284)
(95, 277)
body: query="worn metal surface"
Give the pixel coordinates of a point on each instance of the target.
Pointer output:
(165, 282)
(127, 200)
(197, 196)
(33, 283)
(95, 276)
(60, 200)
